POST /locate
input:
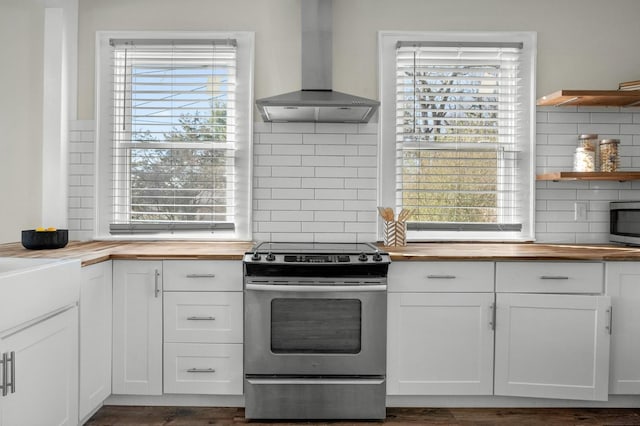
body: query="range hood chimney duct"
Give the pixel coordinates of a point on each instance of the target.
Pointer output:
(317, 102)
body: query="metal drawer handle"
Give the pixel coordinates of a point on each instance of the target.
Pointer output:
(441, 277)
(201, 318)
(3, 384)
(5, 373)
(156, 289)
(553, 277)
(201, 370)
(201, 275)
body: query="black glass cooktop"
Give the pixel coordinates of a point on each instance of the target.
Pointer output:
(296, 248)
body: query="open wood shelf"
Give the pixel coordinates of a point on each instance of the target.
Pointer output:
(619, 176)
(620, 98)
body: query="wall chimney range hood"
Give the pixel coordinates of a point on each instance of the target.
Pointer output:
(316, 102)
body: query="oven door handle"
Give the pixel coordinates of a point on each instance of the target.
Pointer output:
(315, 288)
(318, 381)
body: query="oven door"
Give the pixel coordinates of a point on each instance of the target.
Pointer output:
(296, 329)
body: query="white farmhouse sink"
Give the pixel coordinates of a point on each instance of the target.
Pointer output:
(32, 288)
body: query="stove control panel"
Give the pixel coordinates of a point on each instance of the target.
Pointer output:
(281, 258)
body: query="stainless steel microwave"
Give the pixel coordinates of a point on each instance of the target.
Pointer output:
(624, 225)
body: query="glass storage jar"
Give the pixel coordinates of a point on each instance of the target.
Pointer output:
(584, 160)
(609, 155)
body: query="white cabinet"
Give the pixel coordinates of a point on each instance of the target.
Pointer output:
(551, 345)
(137, 327)
(95, 337)
(44, 360)
(623, 286)
(440, 331)
(440, 344)
(203, 317)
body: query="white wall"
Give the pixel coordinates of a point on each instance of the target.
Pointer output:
(21, 50)
(582, 44)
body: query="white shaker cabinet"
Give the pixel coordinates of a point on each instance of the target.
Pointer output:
(95, 337)
(42, 361)
(137, 327)
(440, 332)
(623, 286)
(549, 344)
(203, 317)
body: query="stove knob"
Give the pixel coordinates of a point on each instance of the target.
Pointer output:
(256, 256)
(271, 257)
(363, 257)
(377, 257)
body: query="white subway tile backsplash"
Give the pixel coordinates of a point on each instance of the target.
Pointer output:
(293, 127)
(292, 194)
(336, 172)
(557, 128)
(366, 139)
(611, 117)
(599, 129)
(323, 160)
(281, 138)
(568, 117)
(336, 128)
(325, 182)
(278, 160)
(313, 205)
(340, 150)
(319, 182)
(324, 139)
(292, 149)
(279, 182)
(335, 194)
(361, 183)
(293, 171)
(555, 201)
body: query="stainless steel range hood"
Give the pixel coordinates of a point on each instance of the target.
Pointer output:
(316, 102)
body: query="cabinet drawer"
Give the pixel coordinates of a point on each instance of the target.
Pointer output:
(205, 317)
(202, 275)
(201, 368)
(549, 277)
(475, 277)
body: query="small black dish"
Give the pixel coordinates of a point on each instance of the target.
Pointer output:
(40, 240)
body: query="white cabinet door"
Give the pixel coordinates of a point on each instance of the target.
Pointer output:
(95, 337)
(440, 344)
(46, 373)
(552, 346)
(137, 327)
(623, 286)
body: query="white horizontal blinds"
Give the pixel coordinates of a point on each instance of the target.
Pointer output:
(458, 111)
(174, 134)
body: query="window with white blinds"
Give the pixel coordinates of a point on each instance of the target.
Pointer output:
(174, 138)
(462, 133)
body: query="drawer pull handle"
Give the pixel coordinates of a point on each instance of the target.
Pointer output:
(201, 318)
(201, 370)
(554, 277)
(6, 384)
(201, 275)
(441, 277)
(156, 290)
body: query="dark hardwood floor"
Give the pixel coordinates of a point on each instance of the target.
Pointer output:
(199, 416)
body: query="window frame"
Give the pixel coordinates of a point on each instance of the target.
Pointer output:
(387, 153)
(243, 153)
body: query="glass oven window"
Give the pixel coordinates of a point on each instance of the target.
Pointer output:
(316, 326)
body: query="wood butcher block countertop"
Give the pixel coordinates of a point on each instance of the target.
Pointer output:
(98, 251)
